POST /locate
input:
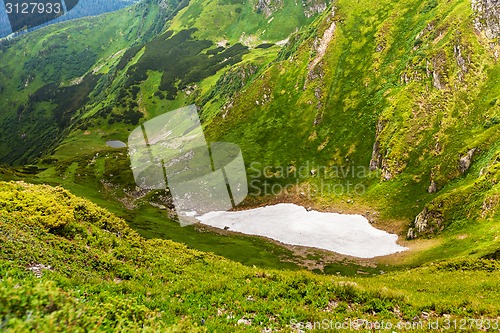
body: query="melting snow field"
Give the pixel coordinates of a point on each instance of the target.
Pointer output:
(291, 224)
(116, 144)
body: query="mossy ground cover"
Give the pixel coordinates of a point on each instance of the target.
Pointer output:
(106, 179)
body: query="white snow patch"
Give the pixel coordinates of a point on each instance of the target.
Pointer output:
(191, 213)
(282, 42)
(291, 224)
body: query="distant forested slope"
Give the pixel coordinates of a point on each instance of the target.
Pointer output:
(83, 9)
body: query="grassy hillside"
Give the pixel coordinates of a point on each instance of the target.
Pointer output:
(403, 94)
(390, 110)
(48, 76)
(75, 75)
(386, 110)
(140, 79)
(68, 265)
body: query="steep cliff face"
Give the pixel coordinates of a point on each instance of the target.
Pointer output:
(487, 17)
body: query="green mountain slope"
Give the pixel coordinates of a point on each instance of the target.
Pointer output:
(68, 265)
(55, 79)
(405, 94)
(48, 76)
(386, 109)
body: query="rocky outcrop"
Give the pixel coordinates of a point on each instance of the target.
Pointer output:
(487, 17)
(490, 206)
(432, 187)
(376, 161)
(310, 7)
(462, 62)
(321, 45)
(436, 81)
(466, 160)
(313, 7)
(388, 166)
(386, 171)
(427, 222)
(439, 71)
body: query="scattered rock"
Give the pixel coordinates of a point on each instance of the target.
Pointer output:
(159, 206)
(244, 321)
(376, 161)
(347, 283)
(466, 160)
(432, 187)
(313, 7)
(268, 7)
(331, 306)
(386, 173)
(487, 17)
(490, 206)
(436, 81)
(38, 269)
(462, 63)
(428, 221)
